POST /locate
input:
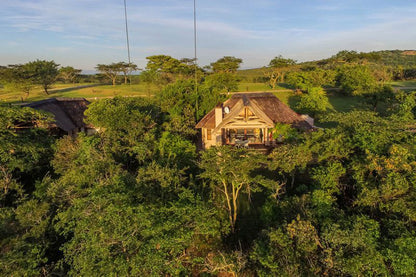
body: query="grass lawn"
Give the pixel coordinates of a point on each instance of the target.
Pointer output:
(8, 95)
(111, 91)
(343, 103)
(407, 86)
(71, 90)
(411, 83)
(339, 102)
(286, 96)
(245, 86)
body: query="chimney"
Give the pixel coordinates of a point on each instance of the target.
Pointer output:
(308, 119)
(218, 114)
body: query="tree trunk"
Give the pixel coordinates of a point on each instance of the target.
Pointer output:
(230, 212)
(234, 211)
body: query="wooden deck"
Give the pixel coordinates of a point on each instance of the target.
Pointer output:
(266, 149)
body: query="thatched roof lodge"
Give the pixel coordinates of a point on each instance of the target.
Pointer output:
(247, 119)
(68, 113)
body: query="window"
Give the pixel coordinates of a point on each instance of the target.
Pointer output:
(208, 134)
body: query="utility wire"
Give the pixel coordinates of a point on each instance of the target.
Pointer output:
(195, 61)
(127, 38)
(195, 33)
(127, 31)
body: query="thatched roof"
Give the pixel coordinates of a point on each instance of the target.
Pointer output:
(263, 104)
(68, 112)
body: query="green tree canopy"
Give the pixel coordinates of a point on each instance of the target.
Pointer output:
(352, 56)
(69, 74)
(223, 81)
(18, 77)
(126, 69)
(44, 73)
(277, 69)
(305, 79)
(163, 69)
(355, 80)
(25, 155)
(24, 77)
(111, 71)
(229, 172)
(280, 62)
(226, 64)
(314, 101)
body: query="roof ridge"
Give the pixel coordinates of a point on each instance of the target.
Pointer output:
(62, 99)
(49, 100)
(55, 99)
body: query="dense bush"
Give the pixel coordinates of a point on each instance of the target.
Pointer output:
(136, 198)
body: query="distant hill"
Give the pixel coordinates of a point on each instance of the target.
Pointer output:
(404, 58)
(252, 75)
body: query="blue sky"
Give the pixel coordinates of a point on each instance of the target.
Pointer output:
(83, 33)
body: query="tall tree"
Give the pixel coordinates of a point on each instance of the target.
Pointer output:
(44, 73)
(18, 77)
(355, 79)
(277, 69)
(69, 74)
(230, 173)
(223, 81)
(111, 71)
(308, 78)
(224, 75)
(164, 68)
(126, 69)
(226, 64)
(314, 101)
(25, 153)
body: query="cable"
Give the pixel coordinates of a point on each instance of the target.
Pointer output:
(195, 62)
(127, 31)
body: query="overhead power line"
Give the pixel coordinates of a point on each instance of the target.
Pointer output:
(127, 32)
(195, 32)
(195, 61)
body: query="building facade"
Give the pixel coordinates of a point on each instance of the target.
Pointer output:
(247, 120)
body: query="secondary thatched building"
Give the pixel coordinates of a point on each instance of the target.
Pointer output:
(247, 119)
(68, 114)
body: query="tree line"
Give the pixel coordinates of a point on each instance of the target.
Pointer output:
(356, 73)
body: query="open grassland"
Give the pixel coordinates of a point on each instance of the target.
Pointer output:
(338, 101)
(401, 84)
(89, 91)
(249, 86)
(248, 75)
(407, 86)
(8, 95)
(92, 91)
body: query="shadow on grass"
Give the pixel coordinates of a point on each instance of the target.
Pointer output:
(284, 85)
(293, 101)
(55, 91)
(345, 103)
(338, 103)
